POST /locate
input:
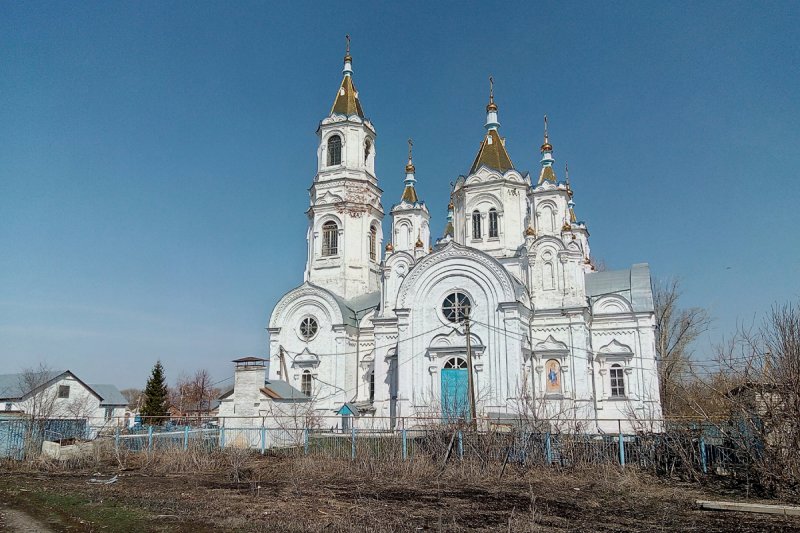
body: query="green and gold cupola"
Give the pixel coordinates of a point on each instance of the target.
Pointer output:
(346, 102)
(492, 152)
(547, 173)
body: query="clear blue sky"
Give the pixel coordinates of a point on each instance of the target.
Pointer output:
(155, 156)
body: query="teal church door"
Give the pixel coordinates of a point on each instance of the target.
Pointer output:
(455, 390)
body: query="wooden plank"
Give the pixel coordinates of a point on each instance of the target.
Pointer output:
(785, 510)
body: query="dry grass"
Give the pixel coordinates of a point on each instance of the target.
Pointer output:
(237, 490)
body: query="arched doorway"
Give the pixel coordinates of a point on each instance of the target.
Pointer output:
(455, 389)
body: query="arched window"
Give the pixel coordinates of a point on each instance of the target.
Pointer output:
(372, 386)
(455, 362)
(476, 225)
(493, 230)
(367, 150)
(548, 276)
(546, 219)
(617, 381)
(305, 383)
(330, 238)
(373, 242)
(334, 151)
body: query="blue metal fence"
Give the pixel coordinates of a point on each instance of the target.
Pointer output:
(696, 449)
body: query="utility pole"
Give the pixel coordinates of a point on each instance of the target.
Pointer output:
(470, 378)
(284, 370)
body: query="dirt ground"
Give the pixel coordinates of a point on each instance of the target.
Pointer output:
(299, 495)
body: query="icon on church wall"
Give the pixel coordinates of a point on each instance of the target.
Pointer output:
(553, 376)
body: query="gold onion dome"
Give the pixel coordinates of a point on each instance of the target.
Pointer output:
(418, 243)
(450, 206)
(530, 232)
(546, 146)
(491, 106)
(410, 165)
(389, 247)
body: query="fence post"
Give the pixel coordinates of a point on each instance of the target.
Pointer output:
(547, 448)
(460, 446)
(353, 443)
(621, 450)
(405, 445)
(263, 440)
(149, 438)
(703, 456)
(222, 437)
(305, 441)
(116, 439)
(185, 437)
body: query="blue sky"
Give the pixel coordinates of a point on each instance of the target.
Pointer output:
(155, 156)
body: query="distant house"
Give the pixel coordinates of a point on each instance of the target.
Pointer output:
(112, 404)
(62, 395)
(763, 413)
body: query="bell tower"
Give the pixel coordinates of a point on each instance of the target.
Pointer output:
(345, 212)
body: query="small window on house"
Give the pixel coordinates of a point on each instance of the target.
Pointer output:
(476, 225)
(109, 413)
(330, 239)
(334, 151)
(493, 230)
(373, 243)
(367, 150)
(9, 406)
(372, 386)
(617, 381)
(305, 383)
(63, 391)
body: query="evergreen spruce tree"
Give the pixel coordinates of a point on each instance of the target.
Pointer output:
(155, 397)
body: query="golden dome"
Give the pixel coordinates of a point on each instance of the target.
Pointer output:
(410, 167)
(547, 147)
(419, 243)
(530, 232)
(566, 227)
(491, 107)
(389, 247)
(450, 206)
(587, 261)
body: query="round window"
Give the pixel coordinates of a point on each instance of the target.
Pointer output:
(456, 307)
(308, 328)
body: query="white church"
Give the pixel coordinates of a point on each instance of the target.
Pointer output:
(380, 330)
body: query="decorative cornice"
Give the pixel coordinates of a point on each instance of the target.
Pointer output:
(303, 291)
(452, 250)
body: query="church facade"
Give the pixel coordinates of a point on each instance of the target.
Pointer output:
(505, 311)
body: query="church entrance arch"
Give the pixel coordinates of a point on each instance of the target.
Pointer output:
(455, 393)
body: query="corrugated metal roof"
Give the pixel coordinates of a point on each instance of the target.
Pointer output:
(632, 284)
(13, 385)
(110, 394)
(281, 390)
(359, 303)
